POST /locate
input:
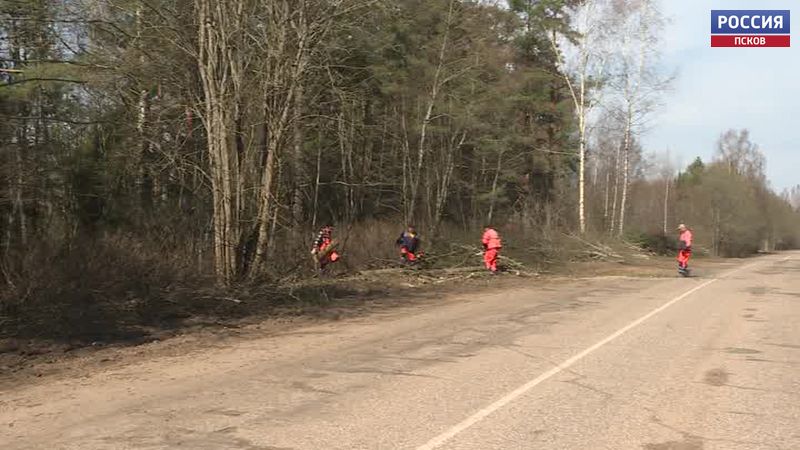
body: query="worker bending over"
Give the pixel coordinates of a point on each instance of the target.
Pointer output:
(324, 248)
(408, 242)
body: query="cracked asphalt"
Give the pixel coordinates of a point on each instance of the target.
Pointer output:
(708, 362)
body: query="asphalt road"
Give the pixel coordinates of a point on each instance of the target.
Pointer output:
(709, 362)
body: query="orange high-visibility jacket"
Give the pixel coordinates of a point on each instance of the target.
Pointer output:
(686, 237)
(491, 239)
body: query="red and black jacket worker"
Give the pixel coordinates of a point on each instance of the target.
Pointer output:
(409, 245)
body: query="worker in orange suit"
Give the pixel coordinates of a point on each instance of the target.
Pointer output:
(684, 249)
(408, 242)
(491, 248)
(324, 247)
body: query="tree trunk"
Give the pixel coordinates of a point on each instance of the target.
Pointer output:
(613, 223)
(275, 214)
(632, 92)
(297, 162)
(264, 209)
(216, 65)
(582, 149)
(285, 69)
(717, 231)
(406, 152)
(443, 186)
(19, 203)
(490, 215)
(435, 87)
(145, 182)
(315, 214)
(582, 180)
(667, 182)
(626, 156)
(605, 203)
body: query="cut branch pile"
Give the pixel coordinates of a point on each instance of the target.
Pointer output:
(596, 251)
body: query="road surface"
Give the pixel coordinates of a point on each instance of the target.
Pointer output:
(709, 362)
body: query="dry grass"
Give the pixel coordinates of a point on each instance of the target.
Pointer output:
(122, 289)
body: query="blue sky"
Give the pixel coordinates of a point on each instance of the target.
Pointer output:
(721, 88)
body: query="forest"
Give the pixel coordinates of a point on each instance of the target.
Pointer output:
(149, 147)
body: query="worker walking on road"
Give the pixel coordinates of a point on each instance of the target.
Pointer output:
(409, 245)
(324, 248)
(684, 249)
(491, 248)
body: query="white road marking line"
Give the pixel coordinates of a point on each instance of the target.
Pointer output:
(481, 414)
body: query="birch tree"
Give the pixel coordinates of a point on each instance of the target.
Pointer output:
(582, 60)
(440, 78)
(636, 80)
(667, 175)
(792, 196)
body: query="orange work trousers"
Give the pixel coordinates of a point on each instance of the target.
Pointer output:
(490, 258)
(683, 258)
